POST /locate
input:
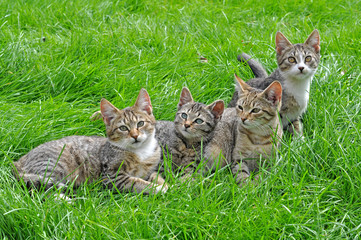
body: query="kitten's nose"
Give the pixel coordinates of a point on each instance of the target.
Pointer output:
(243, 119)
(301, 68)
(186, 125)
(134, 135)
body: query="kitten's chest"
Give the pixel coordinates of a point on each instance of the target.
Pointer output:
(295, 99)
(247, 147)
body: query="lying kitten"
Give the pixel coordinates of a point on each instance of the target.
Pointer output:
(249, 132)
(185, 138)
(296, 66)
(127, 159)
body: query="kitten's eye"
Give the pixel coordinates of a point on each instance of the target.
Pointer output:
(140, 124)
(308, 59)
(184, 115)
(291, 59)
(240, 107)
(255, 110)
(123, 128)
(199, 121)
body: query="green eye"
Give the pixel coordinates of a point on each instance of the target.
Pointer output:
(240, 107)
(291, 59)
(256, 110)
(308, 59)
(199, 121)
(184, 115)
(140, 124)
(123, 128)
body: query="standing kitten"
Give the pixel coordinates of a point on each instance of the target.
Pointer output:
(127, 159)
(185, 138)
(249, 132)
(296, 66)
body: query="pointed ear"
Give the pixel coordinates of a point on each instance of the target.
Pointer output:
(143, 102)
(273, 93)
(241, 86)
(314, 40)
(185, 97)
(108, 111)
(216, 108)
(281, 42)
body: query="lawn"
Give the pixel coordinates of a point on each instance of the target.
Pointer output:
(58, 59)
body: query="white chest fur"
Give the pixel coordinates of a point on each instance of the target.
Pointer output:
(147, 149)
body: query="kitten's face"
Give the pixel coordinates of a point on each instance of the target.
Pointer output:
(195, 121)
(131, 127)
(298, 61)
(258, 110)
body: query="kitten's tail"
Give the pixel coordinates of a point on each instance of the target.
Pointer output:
(256, 67)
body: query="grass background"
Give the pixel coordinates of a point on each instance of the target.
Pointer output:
(59, 58)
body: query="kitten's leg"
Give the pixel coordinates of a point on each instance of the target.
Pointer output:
(96, 116)
(155, 176)
(241, 171)
(127, 183)
(295, 128)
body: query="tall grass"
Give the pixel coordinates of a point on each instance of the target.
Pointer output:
(58, 59)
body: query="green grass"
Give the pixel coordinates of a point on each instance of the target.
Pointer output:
(111, 49)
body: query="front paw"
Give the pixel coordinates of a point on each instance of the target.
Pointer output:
(161, 189)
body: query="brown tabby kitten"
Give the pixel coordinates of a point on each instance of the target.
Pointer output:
(297, 63)
(185, 138)
(127, 159)
(249, 132)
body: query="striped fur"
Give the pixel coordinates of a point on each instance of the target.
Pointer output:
(247, 133)
(297, 64)
(183, 140)
(126, 160)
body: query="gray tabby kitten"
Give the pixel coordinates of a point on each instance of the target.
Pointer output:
(185, 138)
(297, 63)
(247, 133)
(127, 159)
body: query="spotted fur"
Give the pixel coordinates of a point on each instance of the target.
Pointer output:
(126, 160)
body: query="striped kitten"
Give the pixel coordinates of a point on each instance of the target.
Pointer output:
(127, 159)
(185, 138)
(297, 63)
(248, 132)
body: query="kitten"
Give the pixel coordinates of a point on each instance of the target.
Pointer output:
(297, 63)
(185, 138)
(127, 159)
(249, 132)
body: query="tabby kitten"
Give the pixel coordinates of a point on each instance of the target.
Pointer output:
(297, 63)
(249, 132)
(185, 138)
(127, 159)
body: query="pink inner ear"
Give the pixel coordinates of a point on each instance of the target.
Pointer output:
(143, 101)
(186, 97)
(218, 109)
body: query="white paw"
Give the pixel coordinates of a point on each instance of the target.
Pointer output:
(161, 189)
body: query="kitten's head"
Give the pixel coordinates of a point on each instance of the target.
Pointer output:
(196, 121)
(257, 110)
(298, 61)
(130, 127)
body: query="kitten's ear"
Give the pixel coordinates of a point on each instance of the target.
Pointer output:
(314, 40)
(108, 111)
(281, 42)
(241, 86)
(185, 97)
(273, 93)
(143, 102)
(216, 108)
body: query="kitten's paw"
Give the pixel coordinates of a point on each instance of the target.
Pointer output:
(161, 189)
(96, 116)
